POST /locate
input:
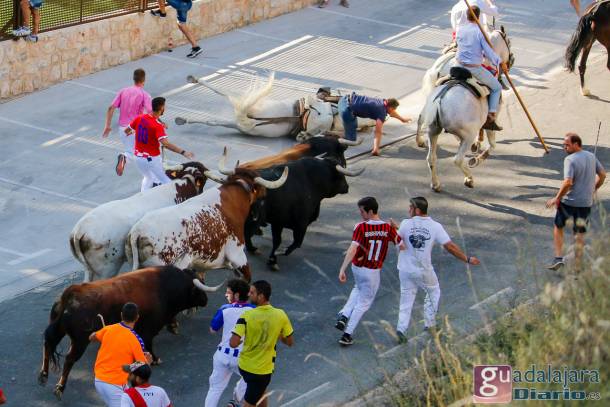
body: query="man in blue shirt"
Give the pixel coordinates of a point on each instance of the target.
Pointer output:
(472, 49)
(353, 106)
(225, 359)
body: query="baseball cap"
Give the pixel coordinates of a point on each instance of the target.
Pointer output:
(138, 368)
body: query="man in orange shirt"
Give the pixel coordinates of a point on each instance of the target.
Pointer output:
(120, 345)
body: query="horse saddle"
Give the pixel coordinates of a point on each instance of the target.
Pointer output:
(459, 76)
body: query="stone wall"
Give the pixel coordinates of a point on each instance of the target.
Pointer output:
(80, 50)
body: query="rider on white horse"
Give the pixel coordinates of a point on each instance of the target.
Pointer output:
(459, 13)
(472, 50)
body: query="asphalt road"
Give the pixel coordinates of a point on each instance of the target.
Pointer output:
(55, 167)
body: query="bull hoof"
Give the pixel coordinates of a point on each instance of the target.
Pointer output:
(273, 266)
(58, 392)
(258, 232)
(172, 329)
(469, 182)
(43, 377)
(157, 362)
(473, 162)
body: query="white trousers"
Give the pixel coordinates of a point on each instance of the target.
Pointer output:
(224, 367)
(410, 280)
(362, 295)
(128, 142)
(151, 169)
(110, 393)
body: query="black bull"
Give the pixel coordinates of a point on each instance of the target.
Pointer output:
(296, 204)
(160, 293)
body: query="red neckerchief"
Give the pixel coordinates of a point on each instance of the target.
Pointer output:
(136, 397)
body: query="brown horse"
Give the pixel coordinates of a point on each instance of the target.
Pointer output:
(593, 25)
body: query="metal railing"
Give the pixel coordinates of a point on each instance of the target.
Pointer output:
(56, 14)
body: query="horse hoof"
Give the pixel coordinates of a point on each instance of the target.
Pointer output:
(42, 378)
(421, 144)
(585, 92)
(469, 182)
(436, 188)
(475, 147)
(473, 162)
(58, 392)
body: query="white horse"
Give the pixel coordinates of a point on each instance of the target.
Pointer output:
(458, 112)
(258, 115)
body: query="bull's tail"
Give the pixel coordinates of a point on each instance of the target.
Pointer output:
(54, 333)
(580, 38)
(78, 247)
(131, 250)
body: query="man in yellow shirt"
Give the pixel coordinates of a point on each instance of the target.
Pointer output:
(120, 345)
(262, 327)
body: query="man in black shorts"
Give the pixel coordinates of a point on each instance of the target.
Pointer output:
(583, 175)
(260, 328)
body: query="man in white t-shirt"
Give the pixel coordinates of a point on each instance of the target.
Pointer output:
(225, 358)
(142, 393)
(415, 269)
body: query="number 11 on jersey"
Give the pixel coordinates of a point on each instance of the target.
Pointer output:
(372, 244)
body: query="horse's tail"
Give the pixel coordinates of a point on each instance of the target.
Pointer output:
(242, 104)
(580, 38)
(55, 332)
(79, 246)
(131, 250)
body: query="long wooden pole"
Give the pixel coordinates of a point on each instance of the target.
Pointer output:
(527, 113)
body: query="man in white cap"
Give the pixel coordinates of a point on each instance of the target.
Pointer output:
(141, 393)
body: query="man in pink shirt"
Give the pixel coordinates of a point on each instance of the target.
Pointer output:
(131, 101)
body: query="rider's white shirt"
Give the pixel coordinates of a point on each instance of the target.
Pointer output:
(459, 13)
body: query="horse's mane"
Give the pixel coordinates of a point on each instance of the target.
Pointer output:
(243, 103)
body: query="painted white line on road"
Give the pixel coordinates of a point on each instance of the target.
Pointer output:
(29, 257)
(46, 191)
(393, 37)
(274, 50)
(322, 387)
(57, 140)
(393, 350)
(84, 85)
(13, 252)
(505, 292)
(182, 61)
(262, 35)
(359, 18)
(30, 126)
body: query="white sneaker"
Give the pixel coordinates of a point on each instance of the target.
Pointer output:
(22, 32)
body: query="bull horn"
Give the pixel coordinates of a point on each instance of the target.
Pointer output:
(177, 167)
(321, 156)
(351, 143)
(221, 164)
(190, 178)
(206, 288)
(273, 184)
(347, 172)
(214, 177)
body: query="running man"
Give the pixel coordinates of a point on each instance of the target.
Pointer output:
(225, 359)
(415, 269)
(131, 101)
(366, 253)
(120, 345)
(150, 134)
(261, 327)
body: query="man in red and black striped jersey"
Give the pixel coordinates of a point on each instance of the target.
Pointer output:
(367, 252)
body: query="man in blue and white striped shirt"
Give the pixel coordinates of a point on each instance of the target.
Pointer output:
(472, 50)
(225, 358)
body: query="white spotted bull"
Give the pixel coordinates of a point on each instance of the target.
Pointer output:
(98, 238)
(205, 232)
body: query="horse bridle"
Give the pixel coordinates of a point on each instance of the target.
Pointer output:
(511, 57)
